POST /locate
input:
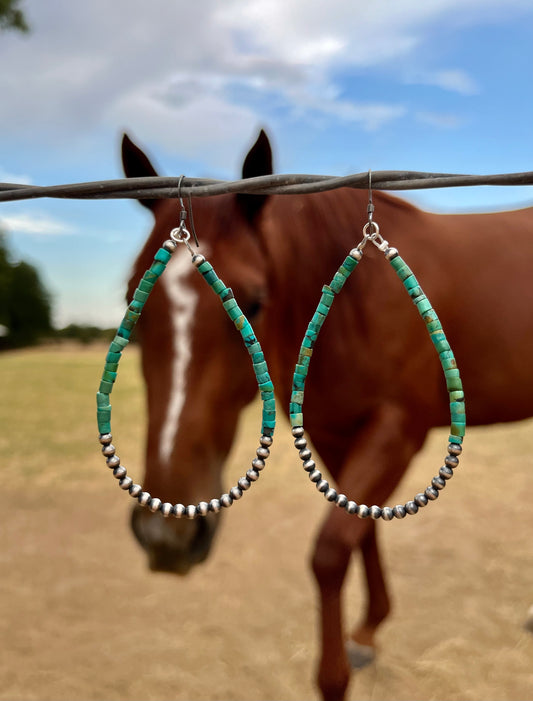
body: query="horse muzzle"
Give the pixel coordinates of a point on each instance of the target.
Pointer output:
(173, 545)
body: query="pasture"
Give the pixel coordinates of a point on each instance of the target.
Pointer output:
(82, 618)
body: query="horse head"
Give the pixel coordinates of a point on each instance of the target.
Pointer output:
(196, 369)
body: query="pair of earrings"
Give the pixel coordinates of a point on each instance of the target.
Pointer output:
(265, 385)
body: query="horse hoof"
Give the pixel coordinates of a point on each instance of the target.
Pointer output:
(359, 655)
(528, 623)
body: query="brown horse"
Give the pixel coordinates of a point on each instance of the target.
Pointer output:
(375, 386)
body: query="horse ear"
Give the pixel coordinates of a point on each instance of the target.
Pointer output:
(258, 162)
(136, 164)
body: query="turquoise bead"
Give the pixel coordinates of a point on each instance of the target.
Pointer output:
(269, 405)
(104, 426)
(344, 271)
(424, 306)
(322, 309)
(246, 329)
(300, 370)
(260, 367)
(112, 367)
(105, 387)
(434, 326)
(109, 376)
(410, 282)
(448, 363)
(297, 419)
(218, 286)
(457, 396)
(267, 396)
(145, 286)
(327, 299)
(162, 255)
(211, 277)
(262, 378)
(113, 357)
(337, 283)
(157, 268)
(140, 296)
(229, 304)
(102, 400)
(266, 386)
(150, 277)
(122, 342)
(258, 357)
(349, 263)
(123, 332)
(205, 267)
(136, 306)
(254, 347)
(455, 439)
(115, 347)
(457, 408)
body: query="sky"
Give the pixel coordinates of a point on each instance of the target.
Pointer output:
(340, 86)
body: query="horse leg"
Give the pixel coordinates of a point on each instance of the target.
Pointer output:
(379, 456)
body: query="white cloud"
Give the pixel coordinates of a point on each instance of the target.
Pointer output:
(38, 224)
(15, 178)
(454, 80)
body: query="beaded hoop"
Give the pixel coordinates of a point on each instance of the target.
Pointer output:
(449, 366)
(133, 312)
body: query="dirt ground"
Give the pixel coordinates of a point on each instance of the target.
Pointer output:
(81, 618)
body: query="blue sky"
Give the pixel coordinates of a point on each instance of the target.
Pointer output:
(341, 87)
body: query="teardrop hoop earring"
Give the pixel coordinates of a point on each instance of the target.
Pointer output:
(266, 388)
(449, 366)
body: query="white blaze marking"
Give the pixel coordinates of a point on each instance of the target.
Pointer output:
(182, 306)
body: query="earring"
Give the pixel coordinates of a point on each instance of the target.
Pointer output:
(266, 388)
(449, 366)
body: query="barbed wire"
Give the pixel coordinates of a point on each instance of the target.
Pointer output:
(163, 187)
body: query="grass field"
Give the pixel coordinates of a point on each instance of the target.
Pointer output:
(81, 618)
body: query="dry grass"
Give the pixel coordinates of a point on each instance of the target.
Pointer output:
(81, 617)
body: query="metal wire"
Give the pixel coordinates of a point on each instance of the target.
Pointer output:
(169, 187)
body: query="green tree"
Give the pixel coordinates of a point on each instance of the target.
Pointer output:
(25, 307)
(11, 17)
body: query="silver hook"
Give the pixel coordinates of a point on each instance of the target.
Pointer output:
(183, 212)
(370, 207)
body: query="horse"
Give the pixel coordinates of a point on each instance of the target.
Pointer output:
(375, 385)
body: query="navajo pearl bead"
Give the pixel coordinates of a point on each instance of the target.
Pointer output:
(244, 484)
(154, 504)
(202, 508)
(431, 493)
(135, 490)
(391, 253)
(387, 513)
(108, 450)
(375, 512)
(105, 438)
(144, 498)
(252, 475)
(399, 511)
(266, 441)
(446, 472)
(421, 499)
(455, 449)
(331, 494)
(198, 259)
(305, 454)
(235, 493)
(125, 483)
(411, 507)
(315, 476)
(356, 254)
(214, 505)
(166, 508)
(438, 483)
(309, 465)
(258, 464)
(263, 452)
(351, 507)
(226, 500)
(451, 460)
(119, 472)
(170, 245)
(341, 500)
(191, 511)
(113, 461)
(322, 486)
(297, 431)
(300, 443)
(179, 510)
(363, 511)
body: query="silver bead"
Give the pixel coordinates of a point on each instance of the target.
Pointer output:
(387, 514)
(135, 490)
(438, 483)
(120, 472)
(262, 452)
(297, 431)
(105, 438)
(305, 454)
(154, 504)
(391, 253)
(375, 512)
(226, 500)
(244, 484)
(144, 498)
(166, 509)
(356, 254)
(446, 472)
(331, 494)
(252, 475)
(266, 441)
(421, 499)
(341, 500)
(455, 449)
(179, 510)
(363, 511)
(125, 483)
(431, 493)
(411, 507)
(214, 505)
(202, 508)
(399, 511)
(300, 443)
(191, 511)
(235, 493)
(108, 450)
(451, 460)
(322, 486)
(258, 464)
(351, 507)
(198, 259)
(113, 461)
(309, 465)
(315, 476)
(170, 245)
